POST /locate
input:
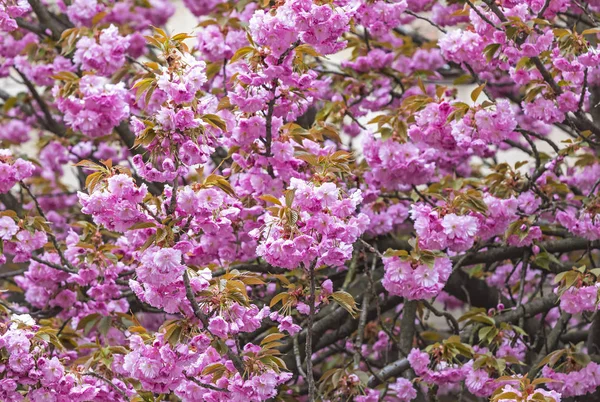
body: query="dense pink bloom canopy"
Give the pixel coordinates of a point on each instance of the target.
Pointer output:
(299, 200)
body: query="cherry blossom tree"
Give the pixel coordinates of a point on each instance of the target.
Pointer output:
(300, 200)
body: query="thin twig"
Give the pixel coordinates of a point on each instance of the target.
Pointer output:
(449, 317)
(480, 14)
(52, 265)
(110, 383)
(551, 343)
(298, 357)
(544, 8)
(10, 274)
(53, 239)
(426, 19)
(583, 89)
(362, 322)
(237, 361)
(309, 335)
(204, 385)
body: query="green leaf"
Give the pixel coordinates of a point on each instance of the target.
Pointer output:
(181, 37)
(281, 297)
(560, 32)
(143, 225)
(544, 259)
(395, 253)
(85, 321)
(307, 49)
(490, 51)
(65, 76)
(241, 52)
(104, 325)
(345, 300)
(215, 121)
(289, 197)
(591, 31)
(272, 337)
(476, 92)
(522, 63)
(220, 182)
(270, 198)
(484, 319)
(214, 368)
(89, 165)
(471, 313)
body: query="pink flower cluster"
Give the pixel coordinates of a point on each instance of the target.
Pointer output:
(31, 367)
(438, 228)
(421, 59)
(415, 280)
(201, 7)
(501, 212)
(431, 126)
(376, 59)
(156, 365)
(47, 287)
(219, 220)
(396, 166)
(182, 86)
(380, 16)
(161, 266)
(437, 232)
(9, 10)
(383, 218)
(576, 300)
(223, 222)
(81, 12)
(41, 73)
(14, 131)
(160, 280)
(574, 383)
(23, 244)
(537, 394)
(12, 170)
(286, 323)
(478, 129)
(485, 126)
(138, 16)
(323, 227)
(463, 46)
(217, 45)
(479, 382)
(443, 373)
(163, 368)
(104, 55)
(115, 205)
(403, 390)
(237, 318)
(98, 109)
(179, 134)
(318, 26)
(42, 284)
(581, 223)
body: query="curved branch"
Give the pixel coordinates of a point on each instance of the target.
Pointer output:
(392, 370)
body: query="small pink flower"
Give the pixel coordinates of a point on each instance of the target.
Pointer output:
(219, 327)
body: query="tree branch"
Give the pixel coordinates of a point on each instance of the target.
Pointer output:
(392, 370)
(309, 335)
